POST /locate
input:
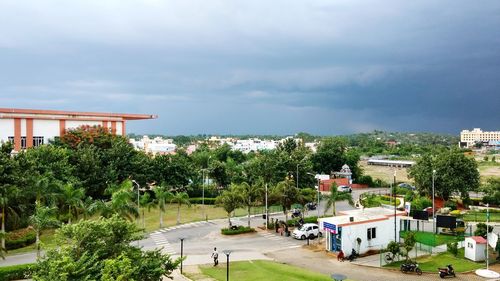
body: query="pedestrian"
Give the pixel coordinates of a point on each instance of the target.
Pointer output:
(340, 256)
(276, 225)
(215, 256)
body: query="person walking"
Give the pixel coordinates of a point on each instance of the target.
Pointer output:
(215, 256)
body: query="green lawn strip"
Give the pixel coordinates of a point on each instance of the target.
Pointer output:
(431, 239)
(262, 270)
(432, 263)
(480, 217)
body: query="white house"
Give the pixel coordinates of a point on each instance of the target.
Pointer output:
(362, 229)
(475, 248)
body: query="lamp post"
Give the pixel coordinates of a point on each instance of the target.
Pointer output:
(433, 204)
(267, 211)
(297, 175)
(394, 185)
(319, 194)
(138, 202)
(227, 253)
(203, 187)
(182, 251)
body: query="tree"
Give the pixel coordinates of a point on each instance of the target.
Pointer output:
(481, 229)
(43, 218)
(251, 194)
(330, 155)
(409, 243)
(146, 203)
(72, 198)
(286, 194)
(180, 198)
(454, 173)
(162, 197)
(229, 200)
(8, 189)
(102, 250)
(122, 201)
(335, 196)
(393, 248)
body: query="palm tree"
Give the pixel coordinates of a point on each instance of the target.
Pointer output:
(45, 188)
(251, 194)
(286, 194)
(335, 196)
(229, 200)
(162, 197)
(43, 218)
(146, 203)
(122, 201)
(72, 198)
(7, 193)
(180, 198)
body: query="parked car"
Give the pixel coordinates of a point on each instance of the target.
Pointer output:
(296, 213)
(310, 230)
(344, 188)
(406, 186)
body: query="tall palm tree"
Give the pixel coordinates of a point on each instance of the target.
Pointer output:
(162, 197)
(45, 188)
(7, 194)
(335, 196)
(146, 203)
(43, 218)
(286, 194)
(229, 200)
(122, 201)
(72, 198)
(180, 198)
(251, 194)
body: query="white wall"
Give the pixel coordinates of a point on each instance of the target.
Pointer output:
(46, 128)
(119, 128)
(6, 129)
(384, 234)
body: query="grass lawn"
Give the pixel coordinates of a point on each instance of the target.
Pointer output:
(262, 270)
(430, 239)
(431, 263)
(480, 217)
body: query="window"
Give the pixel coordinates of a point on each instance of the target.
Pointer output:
(37, 141)
(371, 233)
(469, 245)
(23, 141)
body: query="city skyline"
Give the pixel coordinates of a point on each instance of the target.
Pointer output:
(230, 67)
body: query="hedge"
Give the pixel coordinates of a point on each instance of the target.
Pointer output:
(199, 200)
(20, 238)
(238, 230)
(16, 272)
(294, 222)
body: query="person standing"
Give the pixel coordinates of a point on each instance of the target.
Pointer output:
(215, 256)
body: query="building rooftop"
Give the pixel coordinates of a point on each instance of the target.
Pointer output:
(363, 215)
(71, 114)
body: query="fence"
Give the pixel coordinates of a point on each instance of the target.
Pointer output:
(418, 251)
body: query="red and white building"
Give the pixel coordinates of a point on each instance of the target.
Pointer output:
(30, 127)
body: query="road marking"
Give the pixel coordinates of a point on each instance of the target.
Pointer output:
(187, 225)
(161, 242)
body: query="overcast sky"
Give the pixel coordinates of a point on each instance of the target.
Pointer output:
(266, 67)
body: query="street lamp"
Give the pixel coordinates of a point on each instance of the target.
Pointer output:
(297, 175)
(138, 202)
(319, 194)
(394, 187)
(203, 186)
(227, 253)
(433, 204)
(182, 251)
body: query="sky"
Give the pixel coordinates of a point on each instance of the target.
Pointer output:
(258, 67)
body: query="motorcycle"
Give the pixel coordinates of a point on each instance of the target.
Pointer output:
(446, 271)
(410, 267)
(353, 255)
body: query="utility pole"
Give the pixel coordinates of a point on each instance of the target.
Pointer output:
(394, 185)
(433, 204)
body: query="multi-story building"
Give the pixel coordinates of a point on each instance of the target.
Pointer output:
(30, 127)
(154, 146)
(469, 138)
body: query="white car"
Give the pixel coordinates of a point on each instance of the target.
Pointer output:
(310, 230)
(344, 188)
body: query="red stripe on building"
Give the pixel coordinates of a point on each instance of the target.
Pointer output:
(62, 127)
(124, 131)
(113, 127)
(17, 134)
(29, 133)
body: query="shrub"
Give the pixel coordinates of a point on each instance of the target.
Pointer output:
(452, 248)
(481, 229)
(238, 230)
(421, 203)
(455, 213)
(366, 179)
(20, 238)
(199, 200)
(16, 272)
(451, 204)
(295, 221)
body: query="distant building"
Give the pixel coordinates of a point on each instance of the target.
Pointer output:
(470, 138)
(154, 146)
(32, 127)
(391, 163)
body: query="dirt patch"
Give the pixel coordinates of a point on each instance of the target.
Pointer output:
(384, 173)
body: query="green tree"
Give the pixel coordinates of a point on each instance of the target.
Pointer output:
(8, 185)
(481, 229)
(72, 198)
(162, 197)
(229, 200)
(454, 173)
(102, 250)
(409, 243)
(286, 194)
(122, 201)
(335, 196)
(43, 218)
(180, 198)
(251, 195)
(330, 155)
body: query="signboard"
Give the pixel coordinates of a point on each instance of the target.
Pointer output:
(492, 240)
(407, 208)
(446, 221)
(330, 227)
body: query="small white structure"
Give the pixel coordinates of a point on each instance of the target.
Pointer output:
(362, 229)
(475, 248)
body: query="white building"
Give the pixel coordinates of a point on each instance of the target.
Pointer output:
(475, 248)
(154, 146)
(477, 135)
(249, 145)
(29, 127)
(362, 229)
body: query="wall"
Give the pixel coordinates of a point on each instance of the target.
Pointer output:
(46, 128)
(6, 129)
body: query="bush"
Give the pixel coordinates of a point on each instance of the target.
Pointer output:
(421, 203)
(295, 221)
(455, 213)
(199, 200)
(365, 180)
(452, 248)
(20, 238)
(238, 230)
(16, 272)
(451, 204)
(380, 183)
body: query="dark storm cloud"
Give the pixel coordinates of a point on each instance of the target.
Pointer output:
(325, 67)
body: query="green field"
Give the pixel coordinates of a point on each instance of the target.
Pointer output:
(261, 270)
(480, 216)
(432, 263)
(431, 239)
